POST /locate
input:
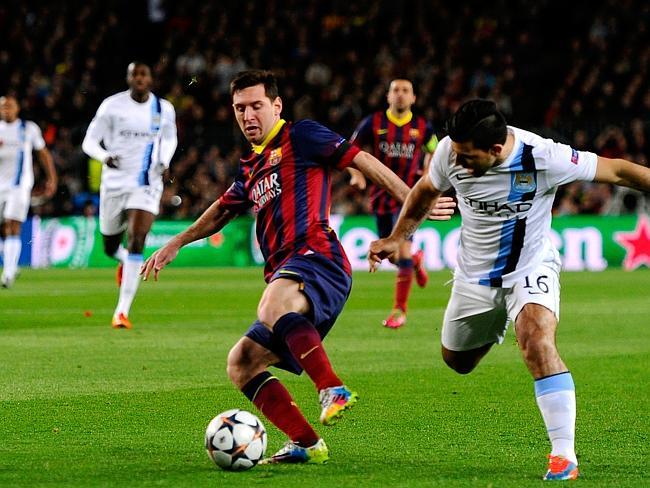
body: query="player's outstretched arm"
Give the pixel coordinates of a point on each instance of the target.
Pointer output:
(416, 208)
(212, 220)
(382, 176)
(622, 172)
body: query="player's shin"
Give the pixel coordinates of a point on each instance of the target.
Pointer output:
(557, 402)
(403, 283)
(305, 344)
(275, 402)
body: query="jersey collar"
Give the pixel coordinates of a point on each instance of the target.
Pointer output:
(274, 132)
(399, 121)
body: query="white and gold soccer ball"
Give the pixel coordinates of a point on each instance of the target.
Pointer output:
(235, 440)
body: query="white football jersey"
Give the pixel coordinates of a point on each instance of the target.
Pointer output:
(506, 213)
(17, 141)
(141, 135)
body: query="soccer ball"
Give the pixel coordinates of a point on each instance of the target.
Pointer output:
(235, 440)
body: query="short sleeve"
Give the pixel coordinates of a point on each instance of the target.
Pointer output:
(35, 136)
(235, 198)
(565, 164)
(362, 135)
(439, 167)
(317, 143)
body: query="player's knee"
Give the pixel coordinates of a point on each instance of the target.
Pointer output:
(241, 364)
(270, 311)
(237, 364)
(110, 248)
(535, 337)
(461, 363)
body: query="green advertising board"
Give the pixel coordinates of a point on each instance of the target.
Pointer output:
(586, 243)
(77, 243)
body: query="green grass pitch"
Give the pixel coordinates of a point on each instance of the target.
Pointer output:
(85, 405)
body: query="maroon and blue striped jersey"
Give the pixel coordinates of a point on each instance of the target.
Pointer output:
(399, 144)
(287, 183)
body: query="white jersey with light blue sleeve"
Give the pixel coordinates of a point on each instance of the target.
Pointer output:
(141, 135)
(506, 213)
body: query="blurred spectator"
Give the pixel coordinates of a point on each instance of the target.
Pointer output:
(586, 80)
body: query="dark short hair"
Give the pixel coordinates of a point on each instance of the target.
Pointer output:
(479, 122)
(253, 77)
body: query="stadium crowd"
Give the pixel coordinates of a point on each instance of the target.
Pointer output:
(584, 81)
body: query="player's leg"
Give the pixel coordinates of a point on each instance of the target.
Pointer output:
(15, 213)
(284, 308)
(535, 304)
(139, 225)
(112, 224)
(247, 369)
(12, 249)
(404, 278)
(475, 319)
(464, 362)
(302, 303)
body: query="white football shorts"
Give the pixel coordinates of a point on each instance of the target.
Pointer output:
(477, 315)
(113, 205)
(14, 203)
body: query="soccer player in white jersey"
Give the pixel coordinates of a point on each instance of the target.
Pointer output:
(138, 132)
(505, 180)
(18, 138)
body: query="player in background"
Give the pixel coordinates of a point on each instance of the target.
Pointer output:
(18, 138)
(286, 181)
(398, 139)
(138, 132)
(505, 180)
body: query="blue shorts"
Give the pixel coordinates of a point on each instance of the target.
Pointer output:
(326, 286)
(385, 224)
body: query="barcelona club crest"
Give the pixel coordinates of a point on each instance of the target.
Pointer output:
(524, 182)
(275, 156)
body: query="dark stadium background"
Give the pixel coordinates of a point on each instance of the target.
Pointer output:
(576, 71)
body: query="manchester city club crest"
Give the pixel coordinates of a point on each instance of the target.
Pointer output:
(275, 156)
(524, 182)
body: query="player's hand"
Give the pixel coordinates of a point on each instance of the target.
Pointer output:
(443, 210)
(160, 168)
(357, 180)
(158, 260)
(112, 162)
(382, 249)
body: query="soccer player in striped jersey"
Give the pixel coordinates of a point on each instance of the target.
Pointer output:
(398, 139)
(508, 269)
(286, 181)
(138, 132)
(18, 138)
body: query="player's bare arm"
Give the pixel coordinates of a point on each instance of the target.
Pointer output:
(379, 174)
(51, 182)
(622, 172)
(212, 220)
(382, 176)
(415, 210)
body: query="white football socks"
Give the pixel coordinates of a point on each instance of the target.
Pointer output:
(130, 282)
(556, 399)
(12, 248)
